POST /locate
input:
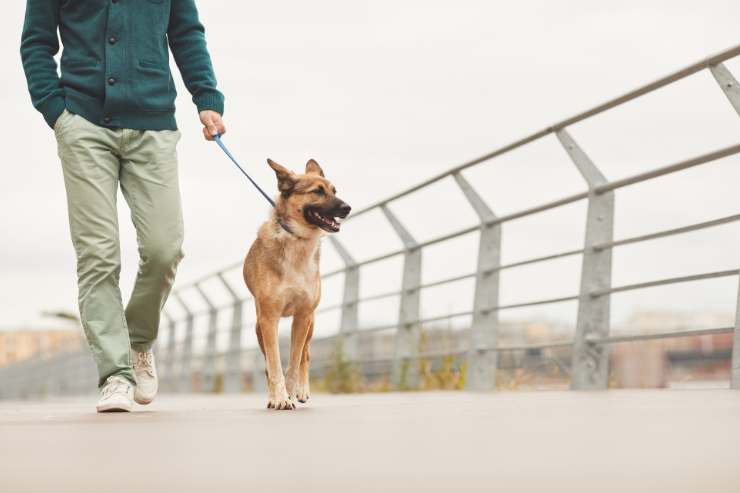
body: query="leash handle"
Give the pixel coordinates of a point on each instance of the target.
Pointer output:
(217, 139)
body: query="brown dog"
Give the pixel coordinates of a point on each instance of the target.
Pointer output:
(282, 273)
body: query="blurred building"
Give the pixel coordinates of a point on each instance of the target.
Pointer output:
(676, 360)
(19, 345)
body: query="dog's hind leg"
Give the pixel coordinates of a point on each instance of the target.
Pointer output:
(302, 327)
(304, 391)
(277, 395)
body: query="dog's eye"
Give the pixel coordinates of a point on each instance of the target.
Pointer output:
(319, 191)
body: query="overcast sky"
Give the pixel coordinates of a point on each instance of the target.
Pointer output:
(387, 93)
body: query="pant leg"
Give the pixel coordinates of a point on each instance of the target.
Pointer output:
(150, 185)
(91, 175)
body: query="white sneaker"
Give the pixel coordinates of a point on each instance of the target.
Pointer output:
(116, 395)
(145, 372)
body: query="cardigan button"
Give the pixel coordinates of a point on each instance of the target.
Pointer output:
(112, 81)
(113, 40)
(107, 119)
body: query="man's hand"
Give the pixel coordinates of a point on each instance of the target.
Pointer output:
(212, 124)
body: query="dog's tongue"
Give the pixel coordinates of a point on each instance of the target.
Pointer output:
(330, 221)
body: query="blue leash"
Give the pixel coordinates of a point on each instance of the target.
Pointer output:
(220, 143)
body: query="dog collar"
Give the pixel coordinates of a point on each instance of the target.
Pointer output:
(285, 227)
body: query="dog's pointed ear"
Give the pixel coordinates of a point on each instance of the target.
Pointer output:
(313, 168)
(286, 178)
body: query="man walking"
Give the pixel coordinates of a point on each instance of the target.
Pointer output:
(112, 110)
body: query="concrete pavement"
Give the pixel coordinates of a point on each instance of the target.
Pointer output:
(652, 441)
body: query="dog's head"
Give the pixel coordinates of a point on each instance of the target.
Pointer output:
(309, 199)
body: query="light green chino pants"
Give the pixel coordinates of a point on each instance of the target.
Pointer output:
(95, 160)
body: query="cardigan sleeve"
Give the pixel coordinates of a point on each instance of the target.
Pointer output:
(187, 41)
(39, 44)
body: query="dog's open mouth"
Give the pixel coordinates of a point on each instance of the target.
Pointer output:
(322, 220)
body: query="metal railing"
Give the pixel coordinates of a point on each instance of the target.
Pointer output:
(590, 345)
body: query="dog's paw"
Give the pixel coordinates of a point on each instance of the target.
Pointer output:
(281, 405)
(303, 393)
(298, 391)
(279, 400)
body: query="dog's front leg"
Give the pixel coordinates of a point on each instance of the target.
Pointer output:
(302, 324)
(277, 395)
(304, 391)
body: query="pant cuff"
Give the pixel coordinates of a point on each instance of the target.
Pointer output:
(127, 373)
(143, 347)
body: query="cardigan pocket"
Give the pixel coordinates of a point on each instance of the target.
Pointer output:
(82, 74)
(151, 64)
(153, 88)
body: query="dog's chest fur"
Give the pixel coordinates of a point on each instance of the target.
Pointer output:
(300, 276)
(283, 269)
(300, 266)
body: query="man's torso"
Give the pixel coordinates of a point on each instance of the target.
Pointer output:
(115, 62)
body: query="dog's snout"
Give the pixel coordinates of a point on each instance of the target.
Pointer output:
(344, 209)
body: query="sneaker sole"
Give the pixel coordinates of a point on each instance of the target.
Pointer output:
(115, 408)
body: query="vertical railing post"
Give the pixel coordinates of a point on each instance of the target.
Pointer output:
(186, 352)
(347, 343)
(735, 377)
(233, 371)
(170, 382)
(16, 381)
(164, 324)
(591, 360)
(728, 83)
(5, 382)
(482, 354)
(54, 367)
(208, 368)
(40, 383)
(405, 372)
(731, 88)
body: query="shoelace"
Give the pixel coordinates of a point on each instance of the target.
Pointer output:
(144, 361)
(114, 386)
